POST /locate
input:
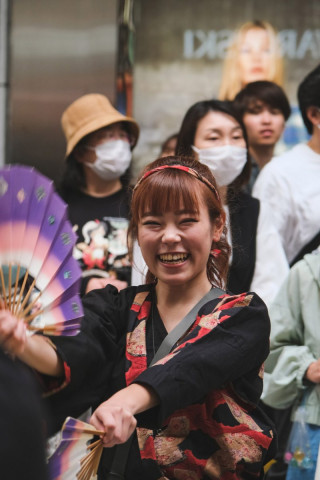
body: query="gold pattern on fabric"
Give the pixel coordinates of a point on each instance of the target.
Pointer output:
(167, 450)
(143, 434)
(210, 321)
(240, 415)
(244, 302)
(136, 340)
(140, 297)
(178, 427)
(234, 447)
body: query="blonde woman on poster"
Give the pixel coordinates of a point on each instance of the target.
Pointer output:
(254, 54)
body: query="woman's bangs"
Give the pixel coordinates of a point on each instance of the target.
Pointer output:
(170, 190)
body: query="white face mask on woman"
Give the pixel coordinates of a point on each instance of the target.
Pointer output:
(113, 159)
(225, 162)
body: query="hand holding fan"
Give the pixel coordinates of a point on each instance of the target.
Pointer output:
(75, 457)
(39, 278)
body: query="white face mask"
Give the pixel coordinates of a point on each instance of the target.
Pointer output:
(225, 162)
(113, 159)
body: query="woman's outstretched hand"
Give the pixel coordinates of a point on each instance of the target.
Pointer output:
(117, 422)
(34, 350)
(116, 415)
(13, 335)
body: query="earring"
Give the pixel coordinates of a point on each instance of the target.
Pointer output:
(215, 252)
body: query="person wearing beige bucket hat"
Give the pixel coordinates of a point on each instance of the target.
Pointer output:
(99, 144)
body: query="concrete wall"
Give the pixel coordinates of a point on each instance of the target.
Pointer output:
(58, 51)
(179, 52)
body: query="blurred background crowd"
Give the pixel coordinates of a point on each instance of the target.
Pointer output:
(234, 84)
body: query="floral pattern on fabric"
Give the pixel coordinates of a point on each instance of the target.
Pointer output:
(217, 438)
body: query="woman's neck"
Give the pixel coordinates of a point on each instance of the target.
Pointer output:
(97, 187)
(174, 302)
(261, 154)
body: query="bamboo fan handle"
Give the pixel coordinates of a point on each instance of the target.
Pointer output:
(3, 289)
(90, 462)
(14, 303)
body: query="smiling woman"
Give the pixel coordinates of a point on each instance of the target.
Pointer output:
(193, 413)
(179, 208)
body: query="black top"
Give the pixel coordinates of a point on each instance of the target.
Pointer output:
(101, 224)
(215, 355)
(244, 214)
(255, 170)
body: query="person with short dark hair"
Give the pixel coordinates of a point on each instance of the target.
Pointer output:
(289, 184)
(264, 109)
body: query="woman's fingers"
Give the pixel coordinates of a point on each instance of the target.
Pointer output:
(124, 427)
(16, 342)
(117, 422)
(12, 332)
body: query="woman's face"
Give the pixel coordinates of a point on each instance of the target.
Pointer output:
(255, 56)
(104, 135)
(176, 245)
(216, 129)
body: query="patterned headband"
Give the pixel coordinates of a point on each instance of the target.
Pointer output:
(189, 170)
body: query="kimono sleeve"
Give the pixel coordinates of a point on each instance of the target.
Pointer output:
(89, 356)
(230, 340)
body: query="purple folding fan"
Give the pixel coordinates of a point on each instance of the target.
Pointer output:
(76, 457)
(39, 278)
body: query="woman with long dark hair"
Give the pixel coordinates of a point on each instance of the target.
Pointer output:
(214, 135)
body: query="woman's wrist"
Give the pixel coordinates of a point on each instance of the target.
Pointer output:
(136, 398)
(40, 354)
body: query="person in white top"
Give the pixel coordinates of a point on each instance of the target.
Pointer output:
(290, 183)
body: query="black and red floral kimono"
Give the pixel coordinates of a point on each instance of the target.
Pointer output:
(206, 425)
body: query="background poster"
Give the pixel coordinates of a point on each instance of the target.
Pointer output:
(180, 46)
